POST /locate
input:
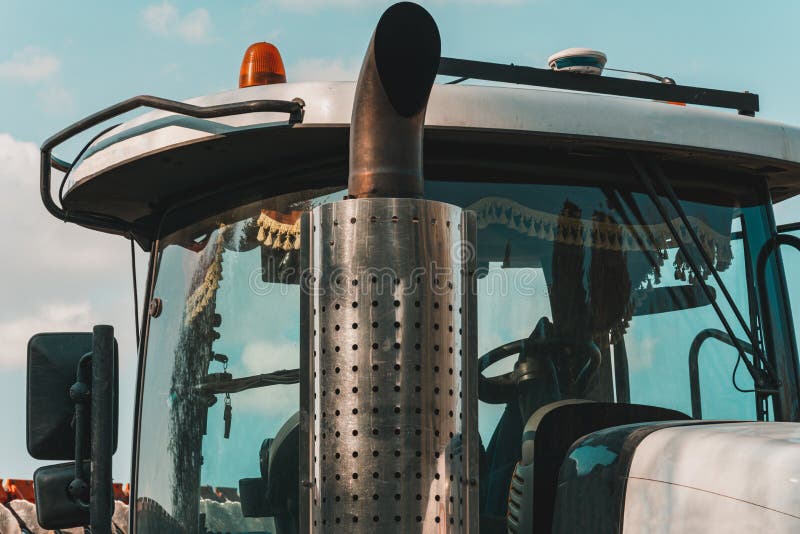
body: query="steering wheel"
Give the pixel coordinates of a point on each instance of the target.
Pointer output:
(502, 389)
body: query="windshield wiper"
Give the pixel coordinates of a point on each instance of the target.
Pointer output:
(763, 377)
(223, 382)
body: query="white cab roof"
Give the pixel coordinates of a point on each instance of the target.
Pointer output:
(522, 109)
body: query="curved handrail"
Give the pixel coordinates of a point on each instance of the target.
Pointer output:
(694, 366)
(112, 224)
(766, 251)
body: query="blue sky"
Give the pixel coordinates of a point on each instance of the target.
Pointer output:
(60, 61)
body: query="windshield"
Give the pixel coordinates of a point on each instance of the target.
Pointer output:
(593, 265)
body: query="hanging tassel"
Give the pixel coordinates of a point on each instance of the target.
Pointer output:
(503, 219)
(551, 234)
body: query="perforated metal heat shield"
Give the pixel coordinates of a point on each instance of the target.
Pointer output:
(388, 384)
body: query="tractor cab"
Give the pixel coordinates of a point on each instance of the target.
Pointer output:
(439, 307)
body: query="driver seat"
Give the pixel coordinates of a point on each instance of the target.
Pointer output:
(546, 440)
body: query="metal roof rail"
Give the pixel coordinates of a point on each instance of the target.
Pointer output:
(745, 103)
(96, 221)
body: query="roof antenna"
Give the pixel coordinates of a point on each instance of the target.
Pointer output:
(588, 61)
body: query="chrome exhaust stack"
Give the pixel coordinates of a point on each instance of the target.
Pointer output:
(388, 380)
(389, 107)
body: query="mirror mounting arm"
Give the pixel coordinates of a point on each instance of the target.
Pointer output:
(81, 395)
(102, 421)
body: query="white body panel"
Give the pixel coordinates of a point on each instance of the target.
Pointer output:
(720, 478)
(462, 106)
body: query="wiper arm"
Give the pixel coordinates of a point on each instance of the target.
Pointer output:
(764, 379)
(223, 383)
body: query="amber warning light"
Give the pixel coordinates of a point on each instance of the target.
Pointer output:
(262, 65)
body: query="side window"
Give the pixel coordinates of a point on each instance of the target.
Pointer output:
(708, 379)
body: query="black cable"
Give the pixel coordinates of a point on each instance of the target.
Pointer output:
(77, 158)
(135, 293)
(457, 80)
(237, 385)
(733, 378)
(20, 522)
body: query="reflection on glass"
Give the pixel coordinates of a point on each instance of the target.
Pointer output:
(590, 274)
(590, 266)
(230, 317)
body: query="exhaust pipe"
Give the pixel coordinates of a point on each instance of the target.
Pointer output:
(388, 412)
(391, 97)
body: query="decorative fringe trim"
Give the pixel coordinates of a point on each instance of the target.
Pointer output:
(278, 235)
(598, 234)
(207, 289)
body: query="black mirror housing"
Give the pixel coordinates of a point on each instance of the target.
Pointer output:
(52, 367)
(61, 511)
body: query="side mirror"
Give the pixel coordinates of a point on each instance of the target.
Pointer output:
(53, 360)
(54, 509)
(72, 408)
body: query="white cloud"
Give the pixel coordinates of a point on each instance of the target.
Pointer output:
(310, 6)
(17, 160)
(787, 211)
(324, 69)
(195, 26)
(55, 276)
(265, 357)
(641, 350)
(53, 317)
(56, 100)
(314, 5)
(160, 18)
(166, 19)
(30, 64)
